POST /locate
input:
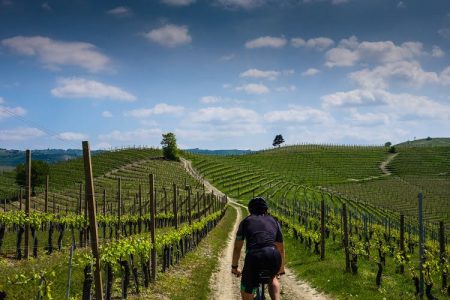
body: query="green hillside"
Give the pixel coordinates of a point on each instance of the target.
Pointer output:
(133, 166)
(426, 142)
(352, 173)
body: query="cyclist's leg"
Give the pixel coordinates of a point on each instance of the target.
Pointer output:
(274, 289)
(247, 296)
(249, 280)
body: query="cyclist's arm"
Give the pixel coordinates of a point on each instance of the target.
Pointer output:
(280, 248)
(237, 251)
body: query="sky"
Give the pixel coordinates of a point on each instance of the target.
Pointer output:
(222, 74)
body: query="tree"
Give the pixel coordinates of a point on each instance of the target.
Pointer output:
(39, 171)
(388, 144)
(169, 146)
(278, 140)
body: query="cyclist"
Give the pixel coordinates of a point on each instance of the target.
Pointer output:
(264, 259)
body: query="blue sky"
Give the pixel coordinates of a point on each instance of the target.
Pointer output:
(222, 73)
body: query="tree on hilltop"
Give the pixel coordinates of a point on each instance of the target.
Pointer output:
(169, 146)
(278, 140)
(39, 171)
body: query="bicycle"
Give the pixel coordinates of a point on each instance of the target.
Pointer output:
(260, 292)
(263, 279)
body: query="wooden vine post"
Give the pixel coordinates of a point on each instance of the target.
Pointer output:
(119, 203)
(346, 248)
(46, 195)
(86, 230)
(204, 201)
(27, 201)
(104, 202)
(421, 246)
(20, 199)
(402, 242)
(175, 208)
(443, 253)
(140, 207)
(92, 220)
(322, 228)
(197, 200)
(188, 188)
(152, 226)
(80, 195)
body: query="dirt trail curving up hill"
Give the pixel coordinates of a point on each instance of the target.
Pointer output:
(226, 286)
(383, 167)
(384, 164)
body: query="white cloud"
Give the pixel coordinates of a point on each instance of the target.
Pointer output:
(170, 35)
(178, 2)
(266, 41)
(46, 6)
(444, 32)
(136, 136)
(20, 134)
(120, 11)
(107, 114)
(244, 4)
(351, 98)
(319, 43)
(350, 51)
(311, 72)
(298, 115)
(227, 57)
(102, 146)
(368, 118)
(341, 57)
(396, 105)
(72, 136)
(220, 114)
(213, 123)
(158, 109)
(84, 88)
(255, 73)
(290, 88)
(7, 112)
(53, 53)
(444, 77)
(253, 88)
(436, 51)
(209, 99)
(408, 71)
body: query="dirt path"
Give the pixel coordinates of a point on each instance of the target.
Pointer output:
(383, 167)
(226, 286)
(384, 164)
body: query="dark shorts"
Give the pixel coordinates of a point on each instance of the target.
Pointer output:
(265, 261)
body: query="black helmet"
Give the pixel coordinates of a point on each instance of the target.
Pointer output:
(257, 206)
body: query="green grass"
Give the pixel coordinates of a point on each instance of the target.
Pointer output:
(190, 279)
(329, 275)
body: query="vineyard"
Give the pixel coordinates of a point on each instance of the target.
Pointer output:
(381, 208)
(349, 214)
(136, 241)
